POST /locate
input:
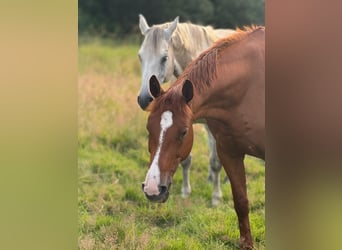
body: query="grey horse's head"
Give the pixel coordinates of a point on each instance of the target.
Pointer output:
(156, 56)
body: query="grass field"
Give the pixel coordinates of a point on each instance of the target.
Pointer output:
(113, 161)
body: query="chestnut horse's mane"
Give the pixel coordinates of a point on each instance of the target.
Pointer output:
(203, 69)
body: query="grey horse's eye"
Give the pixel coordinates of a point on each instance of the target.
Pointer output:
(164, 59)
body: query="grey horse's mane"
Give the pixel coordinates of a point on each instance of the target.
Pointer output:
(181, 37)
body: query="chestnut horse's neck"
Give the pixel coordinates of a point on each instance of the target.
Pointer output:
(238, 71)
(233, 104)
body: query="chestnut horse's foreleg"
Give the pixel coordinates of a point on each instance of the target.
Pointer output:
(186, 188)
(235, 170)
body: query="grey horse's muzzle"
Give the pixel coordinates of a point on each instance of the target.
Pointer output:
(144, 101)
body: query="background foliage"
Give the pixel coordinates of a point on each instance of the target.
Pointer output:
(120, 17)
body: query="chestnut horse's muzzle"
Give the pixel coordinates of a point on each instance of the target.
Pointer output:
(161, 197)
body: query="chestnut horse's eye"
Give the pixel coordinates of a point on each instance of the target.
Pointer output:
(183, 133)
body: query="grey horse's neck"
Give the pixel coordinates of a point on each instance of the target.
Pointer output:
(177, 68)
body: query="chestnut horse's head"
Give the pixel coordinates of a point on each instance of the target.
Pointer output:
(170, 136)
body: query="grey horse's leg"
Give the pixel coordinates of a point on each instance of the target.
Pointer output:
(186, 188)
(214, 169)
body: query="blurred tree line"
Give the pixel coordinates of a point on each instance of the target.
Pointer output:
(120, 17)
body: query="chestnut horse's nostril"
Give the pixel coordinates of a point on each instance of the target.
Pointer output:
(162, 190)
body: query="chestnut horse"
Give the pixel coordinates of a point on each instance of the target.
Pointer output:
(225, 86)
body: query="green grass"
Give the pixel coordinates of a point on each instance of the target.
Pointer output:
(113, 160)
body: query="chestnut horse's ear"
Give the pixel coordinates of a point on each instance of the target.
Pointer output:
(155, 89)
(188, 91)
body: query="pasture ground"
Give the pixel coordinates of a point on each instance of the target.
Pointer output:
(113, 160)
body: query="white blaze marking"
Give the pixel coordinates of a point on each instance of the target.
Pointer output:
(153, 175)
